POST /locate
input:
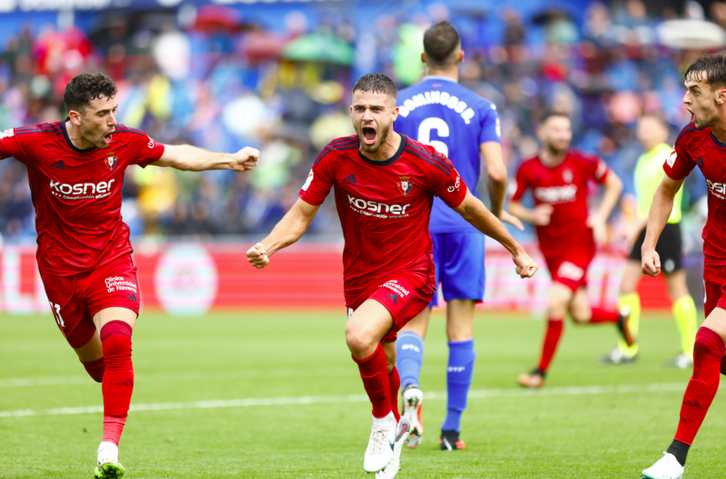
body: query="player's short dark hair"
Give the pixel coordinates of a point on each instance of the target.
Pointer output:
(376, 83)
(551, 114)
(710, 69)
(85, 87)
(439, 43)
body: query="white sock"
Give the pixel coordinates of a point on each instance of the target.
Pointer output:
(107, 450)
(387, 421)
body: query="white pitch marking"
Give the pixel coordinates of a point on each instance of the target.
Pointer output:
(301, 400)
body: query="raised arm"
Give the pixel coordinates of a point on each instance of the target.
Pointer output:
(491, 151)
(598, 220)
(474, 211)
(290, 228)
(658, 215)
(191, 158)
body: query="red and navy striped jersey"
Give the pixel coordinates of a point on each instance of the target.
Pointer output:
(384, 206)
(699, 147)
(77, 193)
(565, 188)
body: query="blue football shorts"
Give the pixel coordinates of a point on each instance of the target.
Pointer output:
(459, 261)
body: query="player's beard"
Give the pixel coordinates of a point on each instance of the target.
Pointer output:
(382, 134)
(555, 152)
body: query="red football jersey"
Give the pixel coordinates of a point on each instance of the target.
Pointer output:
(565, 188)
(699, 147)
(384, 206)
(77, 193)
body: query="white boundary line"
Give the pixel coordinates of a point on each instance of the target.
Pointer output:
(302, 400)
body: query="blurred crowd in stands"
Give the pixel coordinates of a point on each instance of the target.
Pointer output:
(209, 78)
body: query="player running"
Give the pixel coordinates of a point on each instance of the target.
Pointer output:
(559, 179)
(652, 133)
(384, 184)
(76, 170)
(461, 125)
(702, 142)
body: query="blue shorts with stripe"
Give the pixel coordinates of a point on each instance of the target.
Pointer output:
(459, 261)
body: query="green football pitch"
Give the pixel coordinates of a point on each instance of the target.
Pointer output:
(274, 393)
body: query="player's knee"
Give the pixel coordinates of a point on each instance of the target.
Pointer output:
(357, 341)
(116, 340)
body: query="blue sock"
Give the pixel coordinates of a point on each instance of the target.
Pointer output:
(409, 357)
(458, 380)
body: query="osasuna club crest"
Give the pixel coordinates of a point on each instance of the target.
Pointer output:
(567, 176)
(111, 161)
(404, 186)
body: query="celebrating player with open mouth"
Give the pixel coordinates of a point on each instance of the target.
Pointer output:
(702, 142)
(76, 170)
(384, 184)
(558, 178)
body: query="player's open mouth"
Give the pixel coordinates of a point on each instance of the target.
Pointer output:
(369, 135)
(107, 138)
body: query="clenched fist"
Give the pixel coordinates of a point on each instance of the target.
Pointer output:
(257, 256)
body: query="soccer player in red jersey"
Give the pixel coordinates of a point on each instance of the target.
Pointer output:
(558, 178)
(76, 170)
(384, 184)
(702, 142)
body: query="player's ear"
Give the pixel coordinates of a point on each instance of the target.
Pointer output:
(721, 96)
(423, 57)
(75, 117)
(461, 56)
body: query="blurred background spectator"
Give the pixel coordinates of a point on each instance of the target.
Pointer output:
(278, 75)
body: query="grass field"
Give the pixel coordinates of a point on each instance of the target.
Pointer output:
(294, 406)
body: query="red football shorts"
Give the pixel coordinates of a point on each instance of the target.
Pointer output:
(75, 299)
(570, 269)
(714, 287)
(403, 294)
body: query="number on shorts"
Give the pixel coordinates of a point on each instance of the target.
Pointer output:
(56, 313)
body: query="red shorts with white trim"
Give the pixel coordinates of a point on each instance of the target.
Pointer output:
(403, 294)
(714, 287)
(74, 300)
(570, 269)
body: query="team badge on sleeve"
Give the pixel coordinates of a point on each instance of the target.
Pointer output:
(404, 186)
(671, 160)
(111, 161)
(308, 181)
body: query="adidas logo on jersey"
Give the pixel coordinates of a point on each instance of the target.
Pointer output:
(393, 297)
(350, 179)
(59, 164)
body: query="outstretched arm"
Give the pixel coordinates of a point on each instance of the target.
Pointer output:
(497, 181)
(658, 215)
(191, 158)
(474, 211)
(598, 220)
(290, 228)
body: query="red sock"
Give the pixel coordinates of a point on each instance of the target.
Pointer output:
(552, 339)
(374, 372)
(707, 354)
(95, 369)
(600, 315)
(394, 384)
(118, 380)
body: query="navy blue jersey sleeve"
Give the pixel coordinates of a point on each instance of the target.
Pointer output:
(491, 129)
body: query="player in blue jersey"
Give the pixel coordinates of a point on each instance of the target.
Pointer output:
(463, 126)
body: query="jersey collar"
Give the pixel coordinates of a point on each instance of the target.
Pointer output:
(389, 161)
(436, 77)
(716, 140)
(68, 139)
